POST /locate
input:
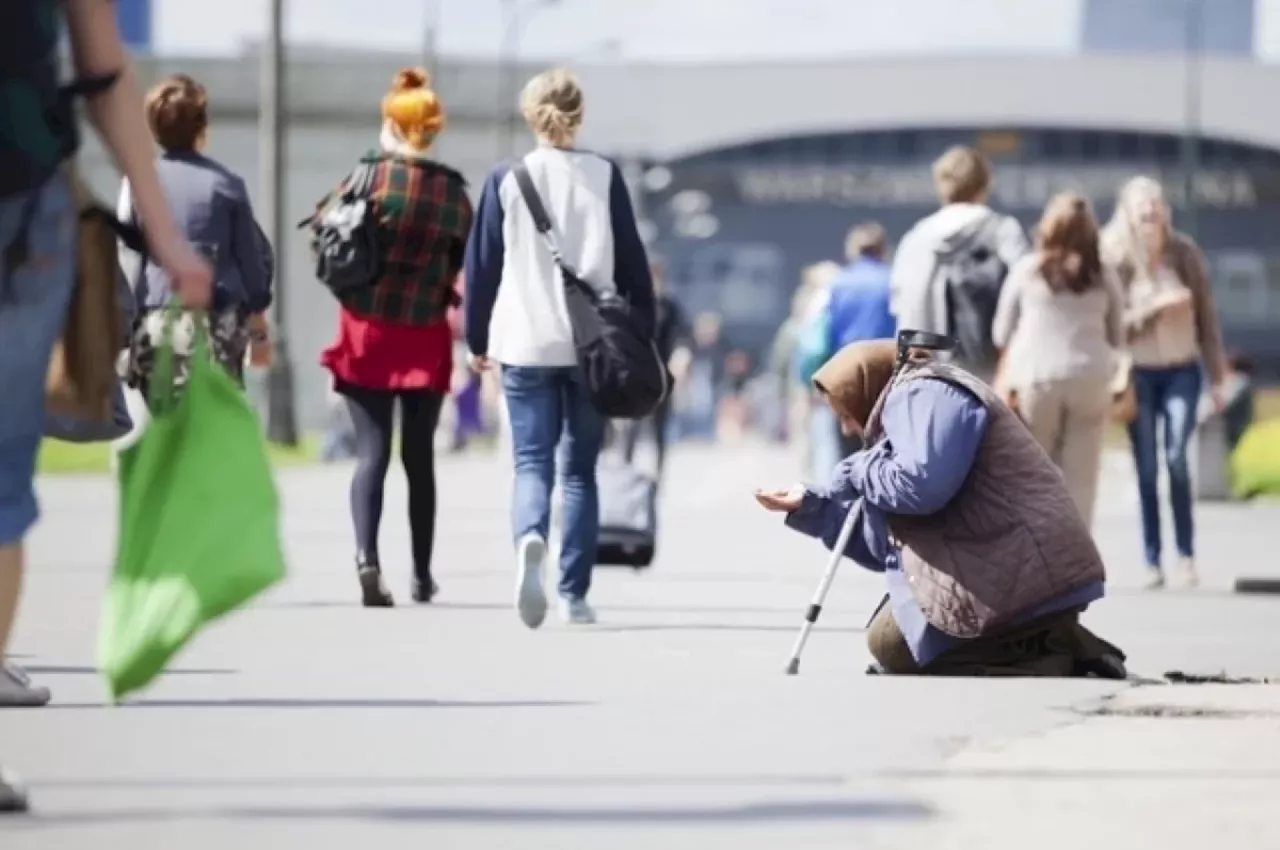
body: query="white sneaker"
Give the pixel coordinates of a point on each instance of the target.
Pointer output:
(1187, 570)
(16, 689)
(13, 799)
(576, 612)
(531, 598)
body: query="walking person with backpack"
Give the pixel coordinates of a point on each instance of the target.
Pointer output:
(394, 343)
(858, 301)
(38, 248)
(950, 267)
(518, 317)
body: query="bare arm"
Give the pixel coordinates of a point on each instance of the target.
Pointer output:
(117, 116)
(117, 113)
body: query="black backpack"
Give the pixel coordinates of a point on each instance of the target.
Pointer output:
(344, 231)
(625, 374)
(972, 272)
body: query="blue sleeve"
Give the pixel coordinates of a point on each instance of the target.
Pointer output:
(630, 261)
(484, 258)
(823, 513)
(932, 432)
(250, 249)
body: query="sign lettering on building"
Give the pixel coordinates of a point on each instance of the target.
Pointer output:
(1016, 186)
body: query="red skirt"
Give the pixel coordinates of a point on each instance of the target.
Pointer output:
(377, 355)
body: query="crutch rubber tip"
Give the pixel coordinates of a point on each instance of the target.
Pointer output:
(793, 667)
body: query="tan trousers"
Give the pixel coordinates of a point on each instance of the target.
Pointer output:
(1069, 420)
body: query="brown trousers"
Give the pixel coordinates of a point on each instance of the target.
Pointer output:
(1054, 646)
(1068, 418)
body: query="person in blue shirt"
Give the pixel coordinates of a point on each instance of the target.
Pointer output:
(858, 302)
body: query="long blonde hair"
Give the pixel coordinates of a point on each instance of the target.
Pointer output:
(1122, 240)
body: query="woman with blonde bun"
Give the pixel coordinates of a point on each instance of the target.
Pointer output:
(394, 341)
(516, 317)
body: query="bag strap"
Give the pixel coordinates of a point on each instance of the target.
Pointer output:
(360, 184)
(541, 220)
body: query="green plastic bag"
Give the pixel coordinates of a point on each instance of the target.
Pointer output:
(199, 519)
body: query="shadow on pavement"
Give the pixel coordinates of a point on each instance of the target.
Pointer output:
(507, 606)
(801, 812)
(57, 670)
(455, 782)
(317, 703)
(721, 627)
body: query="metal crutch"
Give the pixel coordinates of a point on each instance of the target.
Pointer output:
(815, 607)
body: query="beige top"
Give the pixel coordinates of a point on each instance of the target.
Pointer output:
(1169, 337)
(1055, 335)
(1161, 335)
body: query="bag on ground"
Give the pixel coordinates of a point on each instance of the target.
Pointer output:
(199, 521)
(628, 514)
(625, 374)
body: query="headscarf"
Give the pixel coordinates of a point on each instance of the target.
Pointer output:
(856, 377)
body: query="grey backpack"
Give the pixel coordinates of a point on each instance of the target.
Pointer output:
(971, 270)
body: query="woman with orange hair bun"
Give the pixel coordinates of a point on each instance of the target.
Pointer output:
(394, 342)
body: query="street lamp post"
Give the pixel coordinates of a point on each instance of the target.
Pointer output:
(282, 422)
(1193, 19)
(431, 38)
(509, 66)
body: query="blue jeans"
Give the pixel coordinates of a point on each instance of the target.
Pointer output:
(1171, 395)
(549, 408)
(33, 306)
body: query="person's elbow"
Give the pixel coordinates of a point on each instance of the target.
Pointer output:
(259, 301)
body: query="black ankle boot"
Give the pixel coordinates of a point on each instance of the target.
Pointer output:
(424, 591)
(373, 588)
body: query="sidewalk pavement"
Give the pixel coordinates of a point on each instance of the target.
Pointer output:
(1159, 766)
(307, 721)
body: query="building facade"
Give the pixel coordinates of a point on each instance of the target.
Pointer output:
(746, 172)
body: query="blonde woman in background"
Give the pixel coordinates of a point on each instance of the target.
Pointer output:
(1173, 332)
(1059, 327)
(517, 319)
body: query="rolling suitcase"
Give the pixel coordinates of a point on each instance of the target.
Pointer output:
(628, 514)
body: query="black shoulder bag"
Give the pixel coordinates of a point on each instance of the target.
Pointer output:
(345, 235)
(625, 374)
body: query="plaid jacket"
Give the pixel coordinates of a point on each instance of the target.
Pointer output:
(424, 217)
